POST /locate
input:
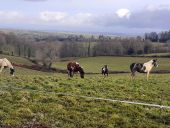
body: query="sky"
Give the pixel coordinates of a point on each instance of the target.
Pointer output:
(107, 16)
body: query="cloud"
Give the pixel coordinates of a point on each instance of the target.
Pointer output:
(123, 13)
(35, 0)
(154, 18)
(80, 19)
(65, 18)
(146, 19)
(156, 8)
(52, 16)
(150, 18)
(10, 16)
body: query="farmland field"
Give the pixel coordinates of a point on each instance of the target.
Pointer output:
(31, 98)
(157, 54)
(94, 64)
(28, 98)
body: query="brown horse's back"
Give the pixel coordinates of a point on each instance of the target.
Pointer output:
(73, 66)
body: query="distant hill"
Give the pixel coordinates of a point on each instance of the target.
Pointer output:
(65, 33)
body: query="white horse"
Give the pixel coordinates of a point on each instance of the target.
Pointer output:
(4, 63)
(143, 67)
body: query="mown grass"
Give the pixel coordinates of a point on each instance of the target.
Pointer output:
(30, 97)
(94, 64)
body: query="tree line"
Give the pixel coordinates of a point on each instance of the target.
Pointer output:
(162, 37)
(46, 49)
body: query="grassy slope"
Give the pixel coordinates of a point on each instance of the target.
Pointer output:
(94, 64)
(22, 106)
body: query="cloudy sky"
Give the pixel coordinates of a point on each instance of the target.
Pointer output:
(113, 16)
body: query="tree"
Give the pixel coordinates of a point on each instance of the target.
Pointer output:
(47, 54)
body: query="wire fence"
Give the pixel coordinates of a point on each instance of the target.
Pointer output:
(93, 98)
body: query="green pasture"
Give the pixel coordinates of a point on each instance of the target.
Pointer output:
(94, 64)
(157, 54)
(31, 98)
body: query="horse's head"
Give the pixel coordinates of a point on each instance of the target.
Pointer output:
(12, 70)
(155, 62)
(81, 71)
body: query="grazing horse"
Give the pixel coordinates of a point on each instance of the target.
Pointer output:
(105, 70)
(73, 67)
(4, 63)
(143, 67)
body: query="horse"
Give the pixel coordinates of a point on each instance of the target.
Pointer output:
(143, 67)
(105, 70)
(4, 63)
(73, 67)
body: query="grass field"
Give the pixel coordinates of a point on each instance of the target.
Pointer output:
(27, 99)
(94, 64)
(157, 54)
(30, 98)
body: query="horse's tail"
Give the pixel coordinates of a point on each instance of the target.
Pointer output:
(132, 66)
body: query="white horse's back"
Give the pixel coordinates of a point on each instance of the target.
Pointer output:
(6, 63)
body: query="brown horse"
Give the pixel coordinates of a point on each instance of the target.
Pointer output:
(73, 67)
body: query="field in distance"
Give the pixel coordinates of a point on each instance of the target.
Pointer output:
(94, 64)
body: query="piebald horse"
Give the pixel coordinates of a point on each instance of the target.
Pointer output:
(4, 63)
(105, 70)
(73, 67)
(143, 67)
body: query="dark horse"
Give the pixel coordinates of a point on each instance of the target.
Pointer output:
(143, 67)
(73, 67)
(105, 71)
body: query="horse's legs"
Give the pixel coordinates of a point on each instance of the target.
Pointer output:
(1, 69)
(147, 76)
(132, 75)
(70, 73)
(103, 71)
